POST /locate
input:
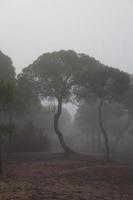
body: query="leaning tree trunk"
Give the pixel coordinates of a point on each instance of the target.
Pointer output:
(105, 135)
(119, 136)
(57, 130)
(0, 154)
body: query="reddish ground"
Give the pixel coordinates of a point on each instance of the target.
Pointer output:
(66, 180)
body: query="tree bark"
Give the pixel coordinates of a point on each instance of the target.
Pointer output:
(104, 132)
(121, 133)
(57, 130)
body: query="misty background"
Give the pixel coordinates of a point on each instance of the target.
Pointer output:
(102, 29)
(66, 99)
(99, 28)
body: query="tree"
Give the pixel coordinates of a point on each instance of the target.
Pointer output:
(87, 126)
(108, 84)
(7, 71)
(30, 139)
(121, 133)
(7, 82)
(52, 76)
(128, 106)
(6, 96)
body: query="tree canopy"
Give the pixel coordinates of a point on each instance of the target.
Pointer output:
(7, 70)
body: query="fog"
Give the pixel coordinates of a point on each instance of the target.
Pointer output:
(102, 29)
(66, 99)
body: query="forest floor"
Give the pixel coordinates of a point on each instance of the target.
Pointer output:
(66, 179)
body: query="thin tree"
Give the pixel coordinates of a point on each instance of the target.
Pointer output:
(108, 85)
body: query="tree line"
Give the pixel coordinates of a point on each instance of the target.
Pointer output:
(62, 77)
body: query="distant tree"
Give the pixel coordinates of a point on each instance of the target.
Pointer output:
(52, 76)
(65, 120)
(30, 139)
(86, 122)
(127, 103)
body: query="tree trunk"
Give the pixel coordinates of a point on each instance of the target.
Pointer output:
(105, 135)
(10, 133)
(0, 154)
(57, 130)
(121, 133)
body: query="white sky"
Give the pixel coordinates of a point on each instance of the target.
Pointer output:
(100, 28)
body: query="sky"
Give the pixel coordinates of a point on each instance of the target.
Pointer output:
(100, 28)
